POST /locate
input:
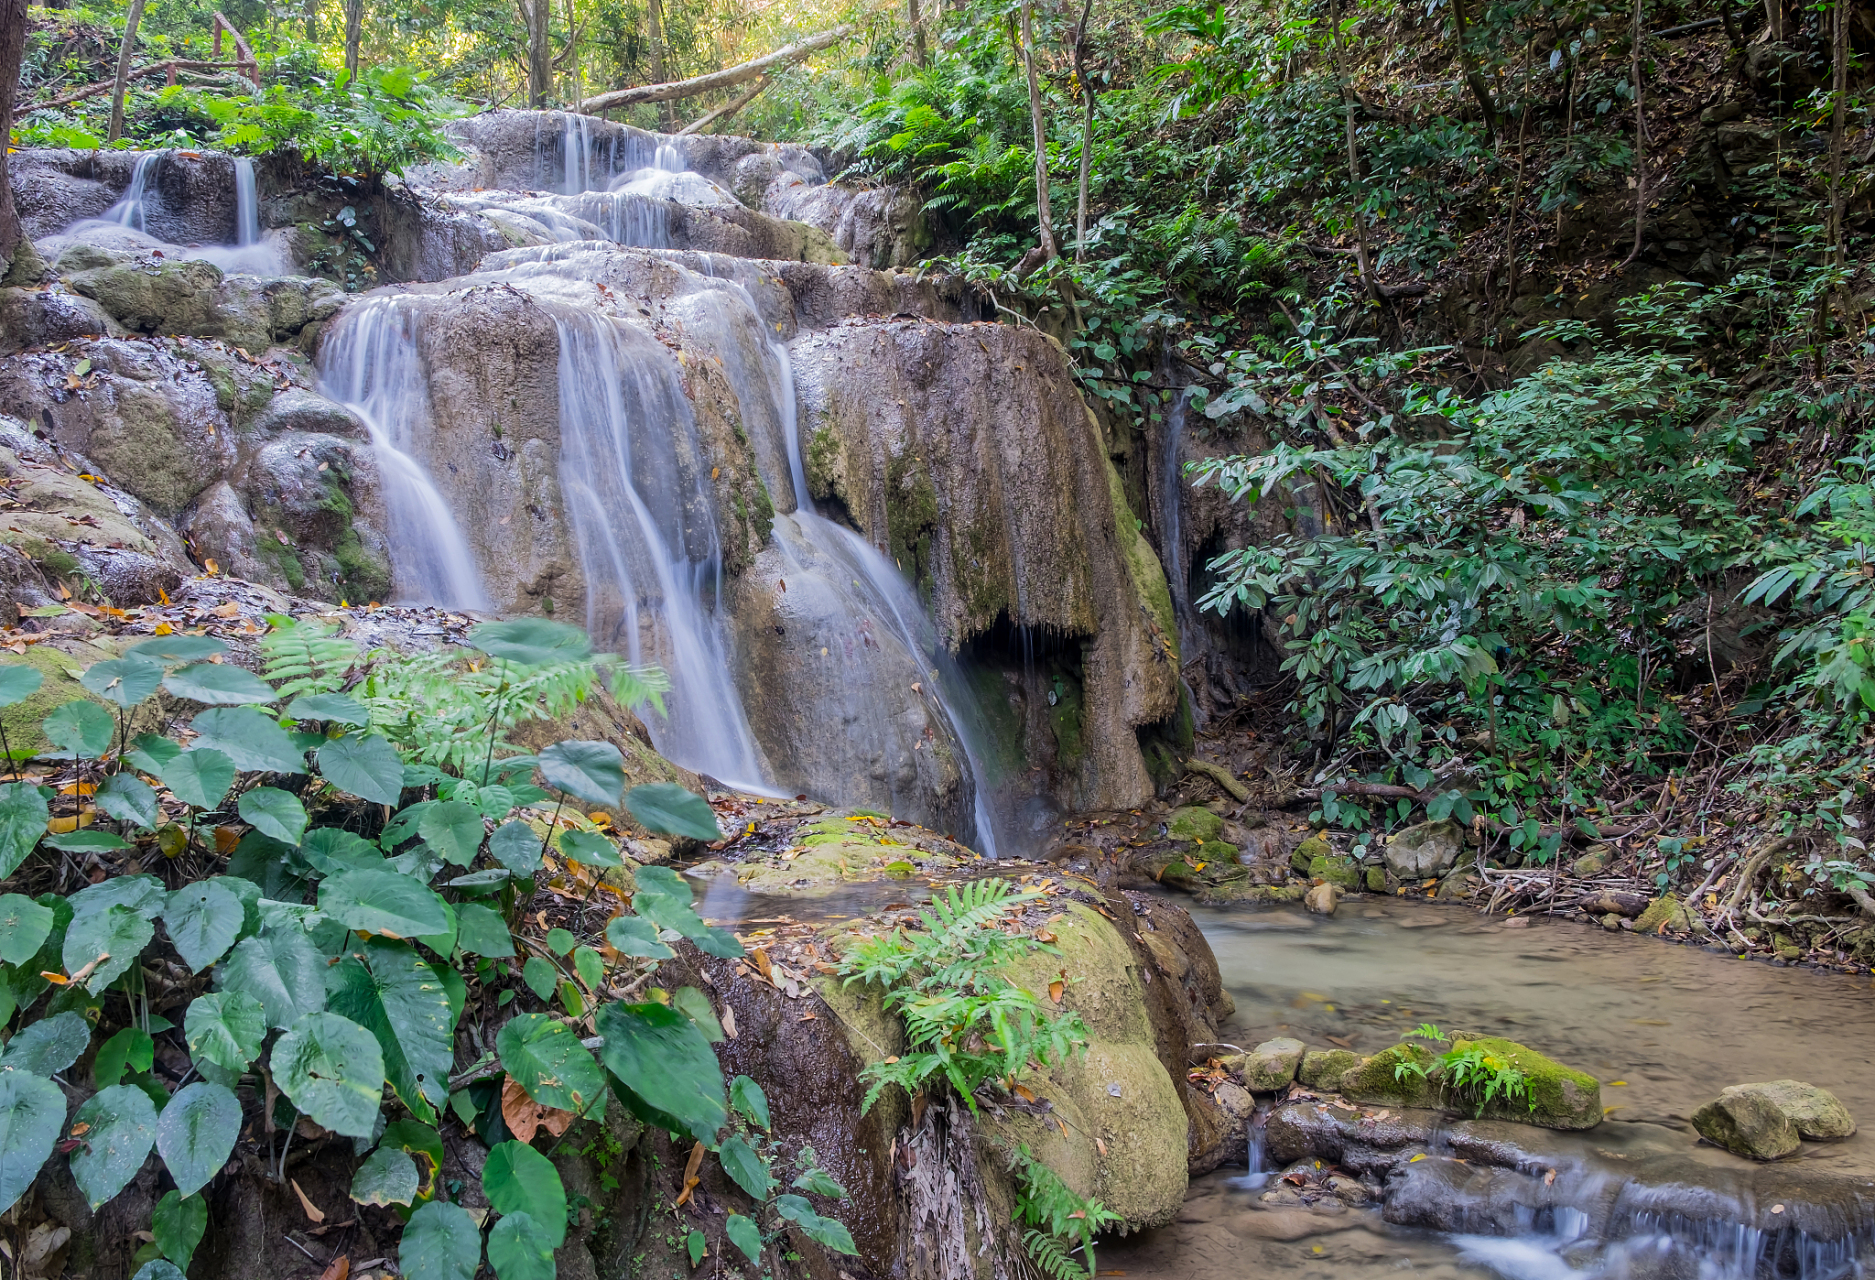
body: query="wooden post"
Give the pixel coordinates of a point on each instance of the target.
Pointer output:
(124, 53)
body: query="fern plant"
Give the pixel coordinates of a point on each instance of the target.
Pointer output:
(967, 1024)
(1059, 1221)
(305, 657)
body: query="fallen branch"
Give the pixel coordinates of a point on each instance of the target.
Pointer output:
(1220, 775)
(723, 113)
(1862, 900)
(719, 79)
(171, 66)
(1393, 791)
(1753, 865)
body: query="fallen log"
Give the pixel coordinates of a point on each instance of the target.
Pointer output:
(1220, 775)
(169, 66)
(723, 113)
(723, 79)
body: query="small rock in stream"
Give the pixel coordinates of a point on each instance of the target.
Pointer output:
(1271, 1066)
(1322, 899)
(1765, 1121)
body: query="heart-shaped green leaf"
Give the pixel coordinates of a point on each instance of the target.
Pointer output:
(518, 1249)
(636, 936)
(515, 846)
(252, 740)
(547, 1060)
(666, 809)
(747, 1097)
(23, 816)
(104, 944)
(219, 684)
(196, 1134)
(388, 1176)
(203, 919)
(87, 841)
(382, 902)
(282, 969)
(391, 991)
(332, 1070)
(174, 650)
(745, 1235)
(141, 893)
(127, 798)
(826, 1232)
(32, 1111)
(81, 730)
(480, 931)
(663, 1068)
(453, 829)
(440, 1242)
(590, 771)
(367, 767)
(49, 1045)
(742, 1164)
(274, 813)
(518, 1179)
(24, 925)
(589, 848)
(129, 1050)
(179, 1219)
(333, 708)
(120, 1129)
(18, 682)
(531, 642)
(200, 777)
(225, 1028)
(122, 681)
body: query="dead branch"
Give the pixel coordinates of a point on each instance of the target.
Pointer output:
(725, 112)
(723, 79)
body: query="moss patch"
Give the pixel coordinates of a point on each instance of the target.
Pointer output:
(1323, 1068)
(60, 670)
(1309, 850)
(1337, 869)
(1143, 566)
(1193, 823)
(833, 851)
(1564, 1098)
(1373, 1080)
(911, 518)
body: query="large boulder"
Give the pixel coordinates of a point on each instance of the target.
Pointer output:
(1766, 1121)
(1427, 850)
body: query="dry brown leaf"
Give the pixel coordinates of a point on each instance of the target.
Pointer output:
(526, 1117)
(1055, 989)
(340, 1268)
(690, 1174)
(763, 965)
(729, 1022)
(1100, 1146)
(312, 1210)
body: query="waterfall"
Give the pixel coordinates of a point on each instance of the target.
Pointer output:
(760, 371)
(246, 203)
(670, 158)
(636, 485)
(372, 366)
(128, 211)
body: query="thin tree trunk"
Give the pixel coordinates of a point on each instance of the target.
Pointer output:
(1774, 20)
(654, 10)
(1839, 67)
(742, 73)
(1516, 194)
(124, 53)
(725, 112)
(1473, 77)
(1087, 130)
(537, 15)
(354, 34)
(311, 11)
(1640, 142)
(572, 55)
(1040, 129)
(917, 36)
(12, 53)
(1362, 258)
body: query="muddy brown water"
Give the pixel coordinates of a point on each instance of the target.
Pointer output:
(1663, 1027)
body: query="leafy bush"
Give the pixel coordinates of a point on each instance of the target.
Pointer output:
(386, 864)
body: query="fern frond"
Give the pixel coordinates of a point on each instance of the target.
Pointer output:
(305, 657)
(1051, 1257)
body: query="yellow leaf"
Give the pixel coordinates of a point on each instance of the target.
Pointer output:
(1416, 1159)
(164, 629)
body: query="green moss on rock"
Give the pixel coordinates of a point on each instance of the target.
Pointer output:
(1665, 914)
(1337, 869)
(1193, 823)
(1322, 1069)
(1309, 850)
(1560, 1097)
(1377, 1079)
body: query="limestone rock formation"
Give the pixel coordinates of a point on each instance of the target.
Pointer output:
(1429, 849)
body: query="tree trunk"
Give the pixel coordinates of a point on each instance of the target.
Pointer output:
(917, 36)
(654, 10)
(1087, 130)
(1839, 76)
(571, 55)
(124, 53)
(311, 12)
(1473, 77)
(538, 15)
(1640, 141)
(728, 76)
(12, 52)
(1363, 259)
(354, 33)
(1040, 130)
(725, 112)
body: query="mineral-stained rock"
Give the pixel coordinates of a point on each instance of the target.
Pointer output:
(1747, 1123)
(1429, 849)
(1666, 914)
(1271, 1066)
(1745, 1118)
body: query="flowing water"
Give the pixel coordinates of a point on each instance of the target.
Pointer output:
(1663, 1027)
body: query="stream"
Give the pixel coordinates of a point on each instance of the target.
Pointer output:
(1663, 1027)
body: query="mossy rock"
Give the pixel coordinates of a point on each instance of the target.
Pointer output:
(1337, 869)
(1193, 823)
(1560, 1097)
(60, 670)
(1309, 850)
(1375, 1080)
(1244, 891)
(1376, 880)
(1666, 914)
(835, 850)
(1323, 1069)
